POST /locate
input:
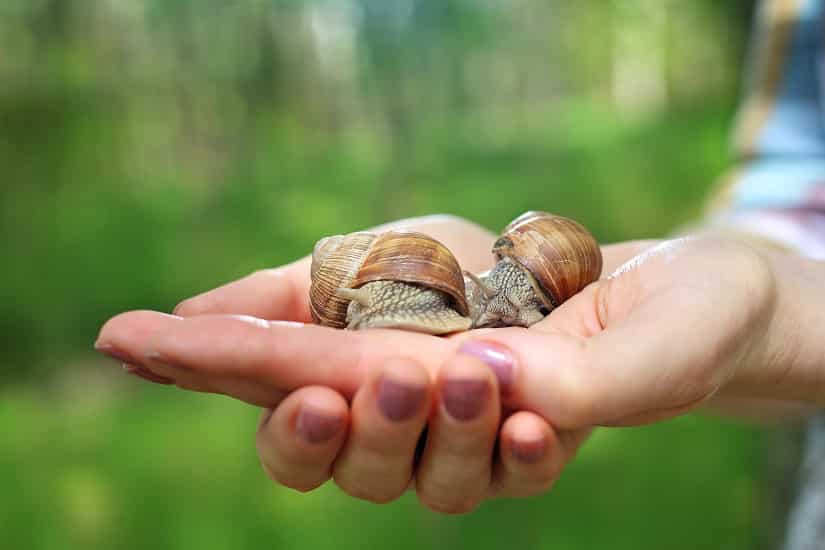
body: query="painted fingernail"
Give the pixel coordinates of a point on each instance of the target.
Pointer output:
(529, 452)
(317, 427)
(464, 398)
(117, 354)
(146, 374)
(399, 401)
(498, 358)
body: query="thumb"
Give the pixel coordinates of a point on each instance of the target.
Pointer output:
(586, 365)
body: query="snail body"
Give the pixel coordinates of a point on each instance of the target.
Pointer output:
(541, 261)
(396, 279)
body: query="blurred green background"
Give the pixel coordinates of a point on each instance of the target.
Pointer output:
(154, 149)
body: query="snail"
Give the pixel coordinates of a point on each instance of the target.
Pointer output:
(397, 279)
(541, 261)
(411, 281)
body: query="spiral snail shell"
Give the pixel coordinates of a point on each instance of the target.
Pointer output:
(541, 260)
(397, 279)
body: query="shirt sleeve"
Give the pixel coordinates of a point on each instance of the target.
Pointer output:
(777, 188)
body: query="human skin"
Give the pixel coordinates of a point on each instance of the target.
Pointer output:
(714, 319)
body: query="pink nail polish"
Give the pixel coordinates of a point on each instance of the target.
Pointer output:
(399, 401)
(464, 399)
(317, 427)
(495, 356)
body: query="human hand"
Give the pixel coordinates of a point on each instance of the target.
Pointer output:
(301, 439)
(721, 318)
(567, 368)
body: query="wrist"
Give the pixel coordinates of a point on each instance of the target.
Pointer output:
(785, 359)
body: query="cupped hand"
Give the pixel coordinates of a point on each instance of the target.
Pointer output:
(372, 447)
(670, 329)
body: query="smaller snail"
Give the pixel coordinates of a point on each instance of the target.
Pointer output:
(397, 279)
(541, 261)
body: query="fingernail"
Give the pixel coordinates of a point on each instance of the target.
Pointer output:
(117, 354)
(317, 427)
(465, 398)
(146, 374)
(529, 452)
(158, 358)
(399, 401)
(494, 356)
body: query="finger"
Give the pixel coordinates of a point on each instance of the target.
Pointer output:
(388, 415)
(455, 470)
(123, 338)
(298, 441)
(615, 255)
(280, 293)
(531, 456)
(270, 357)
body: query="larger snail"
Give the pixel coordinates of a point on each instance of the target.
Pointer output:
(541, 261)
(411, 281)
(397, 279)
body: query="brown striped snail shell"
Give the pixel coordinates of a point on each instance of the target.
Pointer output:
(541, 260)
(397, 279)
